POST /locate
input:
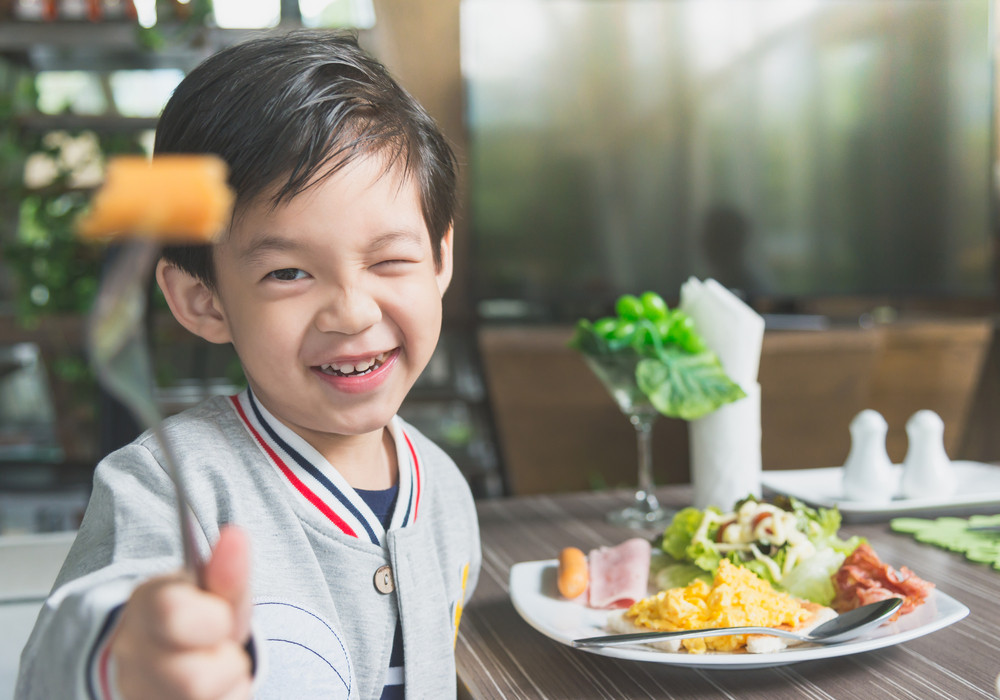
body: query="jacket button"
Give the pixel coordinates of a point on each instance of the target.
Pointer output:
(383, 579)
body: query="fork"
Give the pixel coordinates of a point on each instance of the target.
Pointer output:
(120, 355)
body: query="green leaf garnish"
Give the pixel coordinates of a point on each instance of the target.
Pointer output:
(673, 367)
(686, 386)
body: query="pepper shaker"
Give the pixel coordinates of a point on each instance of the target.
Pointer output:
(868, 472)
(926, 470)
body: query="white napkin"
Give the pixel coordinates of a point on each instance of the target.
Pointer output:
(725, 444)
(731, 328)
(725, 453)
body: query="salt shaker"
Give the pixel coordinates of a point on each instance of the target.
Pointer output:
(926, 470)
(868, 472)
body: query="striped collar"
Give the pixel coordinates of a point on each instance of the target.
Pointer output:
(319, 485)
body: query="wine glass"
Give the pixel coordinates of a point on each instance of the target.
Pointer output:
(617, 373)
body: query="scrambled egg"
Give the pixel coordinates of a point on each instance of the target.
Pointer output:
(736, 597)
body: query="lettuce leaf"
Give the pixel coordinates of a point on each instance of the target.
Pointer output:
(756, 566)
(684, 385)
(822, 526)
(678, 575)
(811, 578)
(679, 542)
(681, 530)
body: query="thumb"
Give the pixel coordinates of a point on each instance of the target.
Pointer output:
(227, 575)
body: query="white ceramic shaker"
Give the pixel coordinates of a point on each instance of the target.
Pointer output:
(926, 470)
(868, 472)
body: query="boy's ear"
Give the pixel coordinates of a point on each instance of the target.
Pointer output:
(192, 303)
(447, 261)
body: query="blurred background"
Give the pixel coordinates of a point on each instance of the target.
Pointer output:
(831, 161)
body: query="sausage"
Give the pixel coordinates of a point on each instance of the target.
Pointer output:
(574, 575)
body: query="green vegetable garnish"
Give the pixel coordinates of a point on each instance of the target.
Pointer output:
(653, 306)
(629, 307)
(673, 367)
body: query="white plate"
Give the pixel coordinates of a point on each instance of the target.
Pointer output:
(977, 491)
(533, 592)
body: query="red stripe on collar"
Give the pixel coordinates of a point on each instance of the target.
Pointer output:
(416, 474)
(299, 486)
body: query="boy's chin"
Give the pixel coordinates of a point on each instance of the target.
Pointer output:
(360, 425)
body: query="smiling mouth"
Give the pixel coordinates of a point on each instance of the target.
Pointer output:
(355, 369)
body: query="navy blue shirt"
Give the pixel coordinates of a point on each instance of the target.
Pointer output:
(382, 504)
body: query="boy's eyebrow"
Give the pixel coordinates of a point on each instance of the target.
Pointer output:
(266, 243)
(404, 236)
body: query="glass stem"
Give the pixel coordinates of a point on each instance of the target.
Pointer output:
(645, 499)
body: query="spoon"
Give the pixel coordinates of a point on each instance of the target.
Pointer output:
(841, 628)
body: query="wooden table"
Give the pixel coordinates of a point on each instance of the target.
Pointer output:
(500, 656)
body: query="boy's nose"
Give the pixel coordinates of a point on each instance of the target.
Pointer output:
(349, 312)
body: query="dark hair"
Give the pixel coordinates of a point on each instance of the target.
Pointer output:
(285, 110)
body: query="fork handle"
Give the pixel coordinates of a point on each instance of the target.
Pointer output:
(646, 637)
(193, 565)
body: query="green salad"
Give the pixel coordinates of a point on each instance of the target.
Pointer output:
(674, 369)
(794, 547)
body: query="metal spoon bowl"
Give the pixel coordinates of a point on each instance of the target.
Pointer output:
(840, 629)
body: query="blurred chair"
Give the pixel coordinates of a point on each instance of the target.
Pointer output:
(812, 384)
(935, 365)
(558, 428)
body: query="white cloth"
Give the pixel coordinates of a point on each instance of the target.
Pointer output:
(731, 328)
(725, 453)
(725, 444)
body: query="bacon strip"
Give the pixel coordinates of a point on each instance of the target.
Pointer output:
(863, 578)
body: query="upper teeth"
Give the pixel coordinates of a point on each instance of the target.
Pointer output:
(353, 367)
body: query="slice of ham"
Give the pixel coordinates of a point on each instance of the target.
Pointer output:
(619, 575)
(863, 578)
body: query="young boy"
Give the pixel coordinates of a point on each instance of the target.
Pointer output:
(356, 541)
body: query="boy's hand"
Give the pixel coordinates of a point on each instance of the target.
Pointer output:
(175, 640)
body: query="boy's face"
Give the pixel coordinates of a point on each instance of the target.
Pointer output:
(333, 300)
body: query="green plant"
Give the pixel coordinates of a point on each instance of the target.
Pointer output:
(55, 272)
(177, 23)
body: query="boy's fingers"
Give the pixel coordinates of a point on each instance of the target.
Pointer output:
(219, 672)
(209, 674)
(227, 575)
(171, 613)
(189, 617)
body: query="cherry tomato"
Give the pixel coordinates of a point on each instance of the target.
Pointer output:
(663, 328)
(722, 530)
(682, 333)
(693, 343)
(629, 307)
(643, 337)
(653, 306)
(605, 327)
(758, 519)
(624, 330)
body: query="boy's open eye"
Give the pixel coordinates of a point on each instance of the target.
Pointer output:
(287, 274)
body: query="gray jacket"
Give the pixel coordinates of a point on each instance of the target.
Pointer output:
(321, 625)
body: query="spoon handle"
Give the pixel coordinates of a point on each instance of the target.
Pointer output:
(645, 637)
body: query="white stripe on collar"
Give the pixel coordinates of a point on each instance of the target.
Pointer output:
(318, 484)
